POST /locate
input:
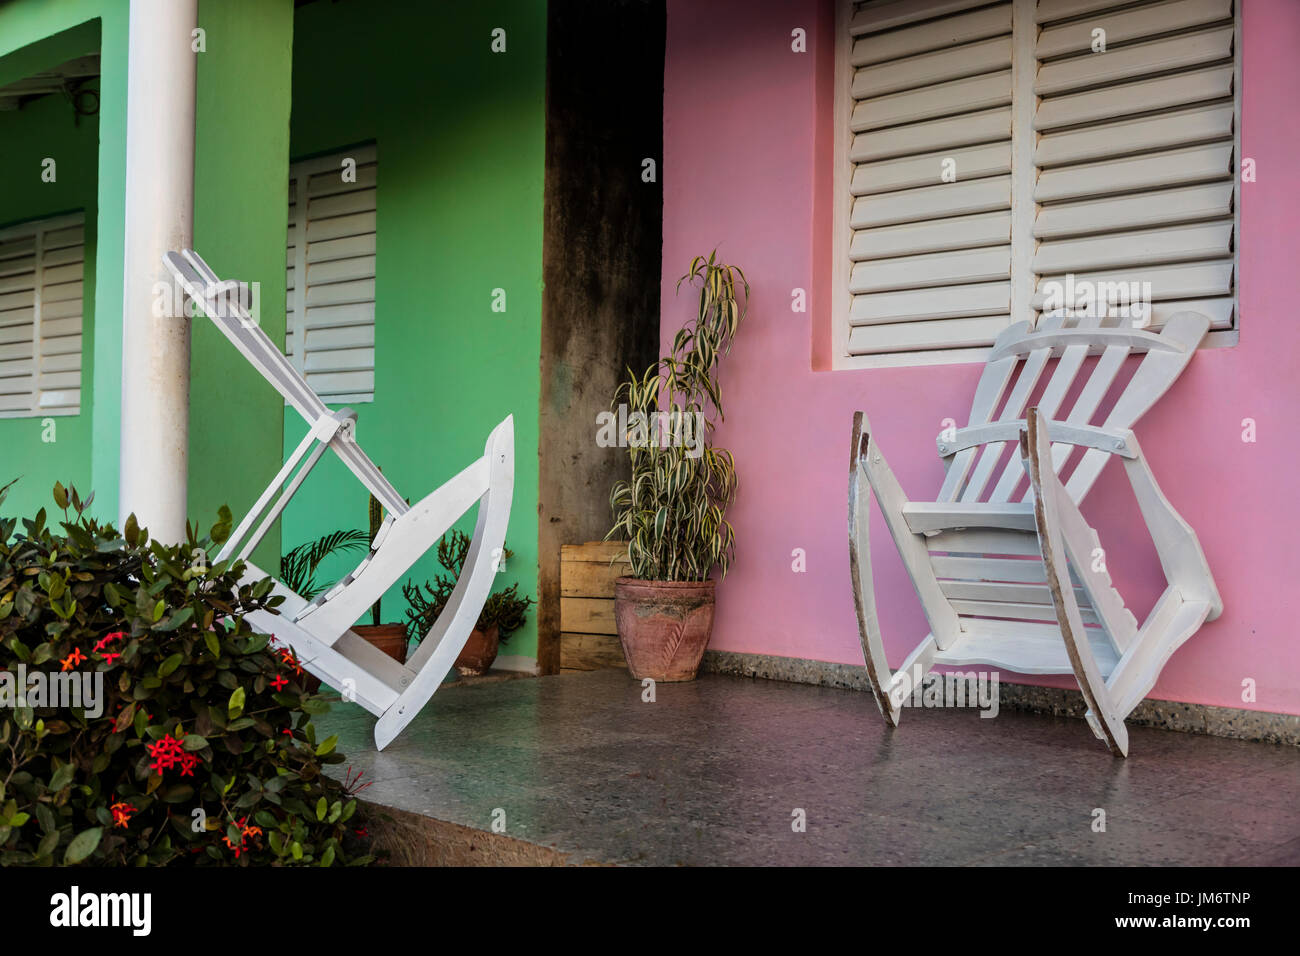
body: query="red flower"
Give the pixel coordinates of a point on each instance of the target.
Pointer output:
(286, 656)
(169, 752)
(279, 683)
(110, 657)
(353, 785)
(73, 659)
(107, 639)
(122, 813)
(245, 831)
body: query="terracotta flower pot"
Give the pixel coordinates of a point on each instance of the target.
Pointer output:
(480, 650)
(389, 638)
(664, 626)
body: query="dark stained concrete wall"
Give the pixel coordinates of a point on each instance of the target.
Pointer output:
(601, 262)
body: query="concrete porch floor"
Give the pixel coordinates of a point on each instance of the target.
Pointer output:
(712, 771)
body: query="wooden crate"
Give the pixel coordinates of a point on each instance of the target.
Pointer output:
(588, 636)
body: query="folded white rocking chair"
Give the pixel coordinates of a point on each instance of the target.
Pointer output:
(319, 631)
(1021, 583)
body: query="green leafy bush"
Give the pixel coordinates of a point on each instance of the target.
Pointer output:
(201, 747)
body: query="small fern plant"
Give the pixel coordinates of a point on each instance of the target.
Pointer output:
(298, 567)
(672, 510)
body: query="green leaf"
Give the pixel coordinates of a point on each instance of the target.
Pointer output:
(158, 610)
(177, 619)
(235, 706)
(170, 665)
(213, 642)
(327, 858)
(62, 776)
(82, 845)
(322, 807)
(327, 745)
(221, 530)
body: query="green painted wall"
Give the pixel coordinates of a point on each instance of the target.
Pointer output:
(36, 35)
(241, 192)
(460, 134)
(48, 128)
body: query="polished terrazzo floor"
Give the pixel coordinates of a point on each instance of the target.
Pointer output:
(714, 772)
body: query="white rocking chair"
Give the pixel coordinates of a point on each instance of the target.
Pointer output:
(319, 631)
(1022, 584)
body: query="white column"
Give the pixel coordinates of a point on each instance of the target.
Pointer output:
(159, 217)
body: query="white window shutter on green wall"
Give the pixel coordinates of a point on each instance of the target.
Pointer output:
(330, 327)
(41, 292)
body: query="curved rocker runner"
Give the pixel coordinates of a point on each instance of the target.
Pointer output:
(319, 631)
(1021, 582)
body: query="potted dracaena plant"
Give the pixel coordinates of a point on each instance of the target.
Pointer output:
(672, 509)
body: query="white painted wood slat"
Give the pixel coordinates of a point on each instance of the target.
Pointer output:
(1135, 23)
(938, 34)
(873, 17)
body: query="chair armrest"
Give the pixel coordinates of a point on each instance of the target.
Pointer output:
(1177, 546)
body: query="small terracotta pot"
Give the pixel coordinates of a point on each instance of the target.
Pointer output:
(389, 638)
(664, 626)
(480, 650)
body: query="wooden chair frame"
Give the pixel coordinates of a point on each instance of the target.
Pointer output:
(319, 631)
(1022, 584)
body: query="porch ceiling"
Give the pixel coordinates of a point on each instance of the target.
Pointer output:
(67, 76)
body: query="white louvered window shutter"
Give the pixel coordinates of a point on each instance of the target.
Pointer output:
(41, 291)
(330, 321)
(988, 148)
(1136, 153)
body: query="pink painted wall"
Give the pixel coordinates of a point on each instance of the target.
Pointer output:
(747, 160)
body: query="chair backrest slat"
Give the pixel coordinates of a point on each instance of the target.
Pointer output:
(1067, 367)
(1030, 371)
(235, 323)
(1153, 378)
(1019, 358)
(993, 382)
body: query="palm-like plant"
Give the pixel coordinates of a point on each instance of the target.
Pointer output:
(298, 567)
(673, 508)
